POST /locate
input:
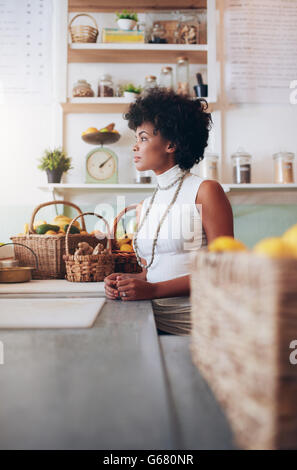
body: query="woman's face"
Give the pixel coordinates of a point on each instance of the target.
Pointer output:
(152, 152)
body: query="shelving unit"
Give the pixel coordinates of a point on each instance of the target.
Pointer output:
(141, 6)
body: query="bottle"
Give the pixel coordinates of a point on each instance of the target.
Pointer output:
(82, 89)
(283, 167)
(241, 166)
(182, 76)
(105, 87)
(166, 78)
(150, 82)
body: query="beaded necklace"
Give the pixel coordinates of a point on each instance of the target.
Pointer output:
(180, 179)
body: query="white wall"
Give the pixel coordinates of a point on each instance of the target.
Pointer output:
(26, 131)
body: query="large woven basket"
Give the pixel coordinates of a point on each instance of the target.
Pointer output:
(125, 261)
(244, 318)
(50, 248)
(83, 33)
(88, 268)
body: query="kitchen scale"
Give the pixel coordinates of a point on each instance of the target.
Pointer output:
(101, 162)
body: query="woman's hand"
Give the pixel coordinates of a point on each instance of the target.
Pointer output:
(135, 289)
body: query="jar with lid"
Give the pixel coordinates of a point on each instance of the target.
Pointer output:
(166, 78)
(105, 87)
(208, 167)
(241, 161)
(182, 76)
(283, 167)
(82, 89)
(150, 82)
(188, 30)
(158, 34)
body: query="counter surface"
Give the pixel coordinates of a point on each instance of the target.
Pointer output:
(113, 386)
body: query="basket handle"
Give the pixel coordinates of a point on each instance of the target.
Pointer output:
(21, 244)
(65, 203)
(81, 215)
(118, 217)
(83, 14)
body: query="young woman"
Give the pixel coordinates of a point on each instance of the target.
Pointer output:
(185, 212)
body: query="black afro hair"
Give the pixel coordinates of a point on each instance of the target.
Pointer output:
(180, 119)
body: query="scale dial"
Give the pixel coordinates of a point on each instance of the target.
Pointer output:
(101, 165)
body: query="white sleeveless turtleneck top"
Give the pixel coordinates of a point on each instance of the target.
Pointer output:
(181, 234)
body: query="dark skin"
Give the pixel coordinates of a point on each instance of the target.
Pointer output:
(153, 152)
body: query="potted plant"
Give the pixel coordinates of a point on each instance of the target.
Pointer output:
(126, 20)
(131, 91)
(55, 162)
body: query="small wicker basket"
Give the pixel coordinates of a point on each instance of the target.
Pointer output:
(50, 248)
(83, 33)
(244, 318)
(125, 261)
(88, 268)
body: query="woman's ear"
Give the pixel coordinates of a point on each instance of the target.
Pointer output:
(170, 148)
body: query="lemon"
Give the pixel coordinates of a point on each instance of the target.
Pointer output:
(126, 247)
(290, 237)
(275, 247)
(226, 243)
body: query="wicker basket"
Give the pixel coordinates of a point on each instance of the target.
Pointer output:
(88, 268)
(125, 261)
(244, 317)
(83, 33)
(49, 248)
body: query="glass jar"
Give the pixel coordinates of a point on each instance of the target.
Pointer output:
(182, 76)
(188, 30)
(166, 78)
(150, 82)
(208, 167)
(82, 89)
(158, 34)
(241, 161)
(105, 87)
(283, 167)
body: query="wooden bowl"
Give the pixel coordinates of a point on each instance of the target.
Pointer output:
(101, 138)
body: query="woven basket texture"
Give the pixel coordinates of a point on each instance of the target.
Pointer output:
(83, 33)
(244, 317)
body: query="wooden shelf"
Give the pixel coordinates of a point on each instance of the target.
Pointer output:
(102, 105)
(136, 187)
(86, 187)
(136, 5)
(136, 53)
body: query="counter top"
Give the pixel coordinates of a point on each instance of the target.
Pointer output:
(112, 386)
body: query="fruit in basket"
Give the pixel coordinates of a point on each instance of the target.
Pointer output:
(26, 229)
(91, 130)
(226, 243)
(63, 220)
(275, 247)
(42, 229)
(51, 232)
(73, 229)
(290, 237)
(108, 128)
(39, 222)
(126, 247)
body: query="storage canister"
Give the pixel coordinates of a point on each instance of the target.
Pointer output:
(283, 167)
(166, 78)
(241, 162)
(208, 167)
(105, 87)
(150, 82)
(182, 76)
(82, 89)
